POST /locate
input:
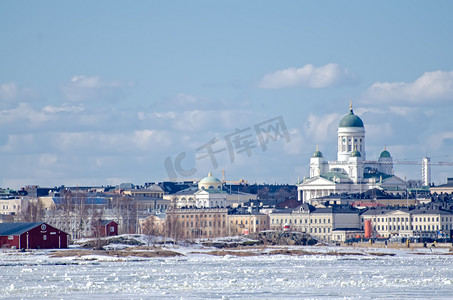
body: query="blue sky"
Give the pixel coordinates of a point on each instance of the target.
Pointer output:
(104, 92)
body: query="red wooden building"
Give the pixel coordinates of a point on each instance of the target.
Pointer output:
(108, 228)
(37, 235)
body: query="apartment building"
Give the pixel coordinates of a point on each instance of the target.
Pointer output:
(245, 223)
(428, 221)
(318, 222)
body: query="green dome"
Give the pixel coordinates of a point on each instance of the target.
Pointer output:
(210, 179)
(356, 153)
(351, 120)
(317, 154)
(385, 154)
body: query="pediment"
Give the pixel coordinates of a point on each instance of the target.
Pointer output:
(318, 180)
(394, 180)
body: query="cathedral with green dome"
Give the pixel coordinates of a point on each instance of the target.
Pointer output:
(351, 172)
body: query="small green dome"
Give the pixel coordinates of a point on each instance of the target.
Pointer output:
(209, 182)
(351, 120)
(317, 153)
(385, 154)
(356, 153)
(210, 179)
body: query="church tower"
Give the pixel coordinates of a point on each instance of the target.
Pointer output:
(318, 165)
(385, 162)
(351, 136)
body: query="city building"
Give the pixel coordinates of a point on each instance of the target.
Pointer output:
(197, 223)
(446, 188)
(153, 191)
(351, 172)
(318, 222)
(210, 192)
(430, 221)
(13, 205)
(246, 223)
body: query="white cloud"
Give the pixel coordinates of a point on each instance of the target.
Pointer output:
(21, 112)
(8, 91)
(63, 108)
(11, 93)
(147, 139)
(92, 88)
(297, 143)
(431, 87)
(46, 160)
(321, 128)
(403, 110)
(439, 140)
(308, 76)
(380, 130)
(101, 142)
(18, 143)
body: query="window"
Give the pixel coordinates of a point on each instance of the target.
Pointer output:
(112, 229)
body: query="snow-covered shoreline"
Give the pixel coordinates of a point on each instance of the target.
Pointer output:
(139, 247)
(201, 272)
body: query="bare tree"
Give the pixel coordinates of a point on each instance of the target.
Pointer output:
(97, 228)
(173, 226)
(34, 211)
(67, 208)
(150, 229)
(80, 213)
(263, 193)
(125, 212)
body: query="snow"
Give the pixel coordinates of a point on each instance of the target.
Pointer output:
(410, 273)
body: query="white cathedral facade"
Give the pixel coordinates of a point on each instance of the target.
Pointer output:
(351, 172)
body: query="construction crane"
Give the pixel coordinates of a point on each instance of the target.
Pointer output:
(426, 167)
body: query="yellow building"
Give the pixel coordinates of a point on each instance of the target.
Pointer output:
(319, 222)
(420, 222)
(154, 191)
(247, 223)
(197, 223)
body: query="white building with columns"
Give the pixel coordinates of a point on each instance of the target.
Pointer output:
(351, 172)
